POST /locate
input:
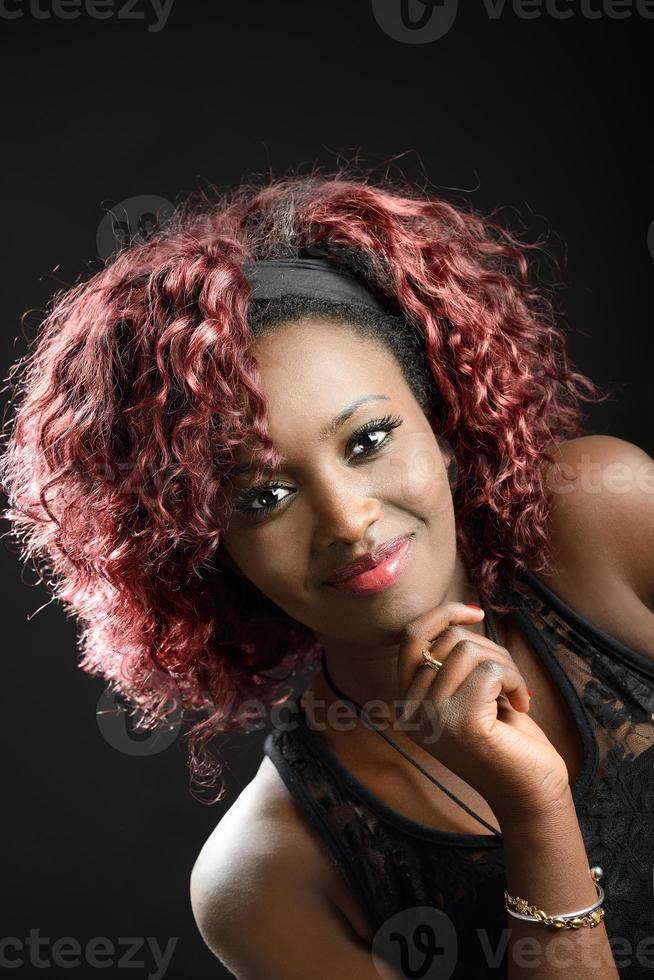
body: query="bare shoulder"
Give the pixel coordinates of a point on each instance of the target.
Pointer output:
(602, 507)
(601, 527)
(262, 832)
(262, 864)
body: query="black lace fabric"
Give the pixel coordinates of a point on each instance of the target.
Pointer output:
(391, 863)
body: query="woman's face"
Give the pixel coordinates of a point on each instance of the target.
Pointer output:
(341, 494)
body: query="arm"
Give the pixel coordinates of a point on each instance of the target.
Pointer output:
(264, 921)
(260, 903)
(546, 863)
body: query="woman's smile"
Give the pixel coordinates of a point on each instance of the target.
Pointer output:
(380, 576)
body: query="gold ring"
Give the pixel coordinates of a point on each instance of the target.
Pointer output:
(429, 661)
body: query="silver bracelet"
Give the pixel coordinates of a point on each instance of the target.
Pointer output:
(591, 916)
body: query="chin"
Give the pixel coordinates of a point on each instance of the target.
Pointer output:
(384, 625)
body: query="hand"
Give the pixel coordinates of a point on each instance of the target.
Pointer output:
(471, 714)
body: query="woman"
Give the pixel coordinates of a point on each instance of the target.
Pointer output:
(328, 371)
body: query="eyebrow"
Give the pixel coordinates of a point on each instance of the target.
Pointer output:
(328, 430)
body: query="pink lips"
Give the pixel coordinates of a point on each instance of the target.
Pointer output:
(381, 576)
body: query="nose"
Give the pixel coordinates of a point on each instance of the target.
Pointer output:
(344, 515)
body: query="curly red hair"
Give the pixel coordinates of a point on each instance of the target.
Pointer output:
(141, 383)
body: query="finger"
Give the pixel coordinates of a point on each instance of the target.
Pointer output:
(451, 635)
(458, 663)
(442, 648)
(485, 683)
(421, 631)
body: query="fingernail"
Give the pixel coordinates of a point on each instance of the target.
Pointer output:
(471, 605)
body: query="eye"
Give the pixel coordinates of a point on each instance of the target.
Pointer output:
(383, 425)
(249, 504)
(247, 500)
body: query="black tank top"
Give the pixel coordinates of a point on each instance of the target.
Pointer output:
(391, 863)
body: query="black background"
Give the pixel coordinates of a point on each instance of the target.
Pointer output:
(547, 116)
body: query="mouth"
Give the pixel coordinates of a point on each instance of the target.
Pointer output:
(378, 571)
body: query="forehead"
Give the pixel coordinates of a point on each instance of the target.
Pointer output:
(315, 365)
(310, 372)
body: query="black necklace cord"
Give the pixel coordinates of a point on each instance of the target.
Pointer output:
(489, 619)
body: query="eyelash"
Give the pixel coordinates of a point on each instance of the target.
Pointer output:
(385, 424)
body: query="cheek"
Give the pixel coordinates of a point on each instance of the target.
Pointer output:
(279, 579)
(273, 568)
(417, 477)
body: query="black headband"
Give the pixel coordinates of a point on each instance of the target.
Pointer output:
(318, 278)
